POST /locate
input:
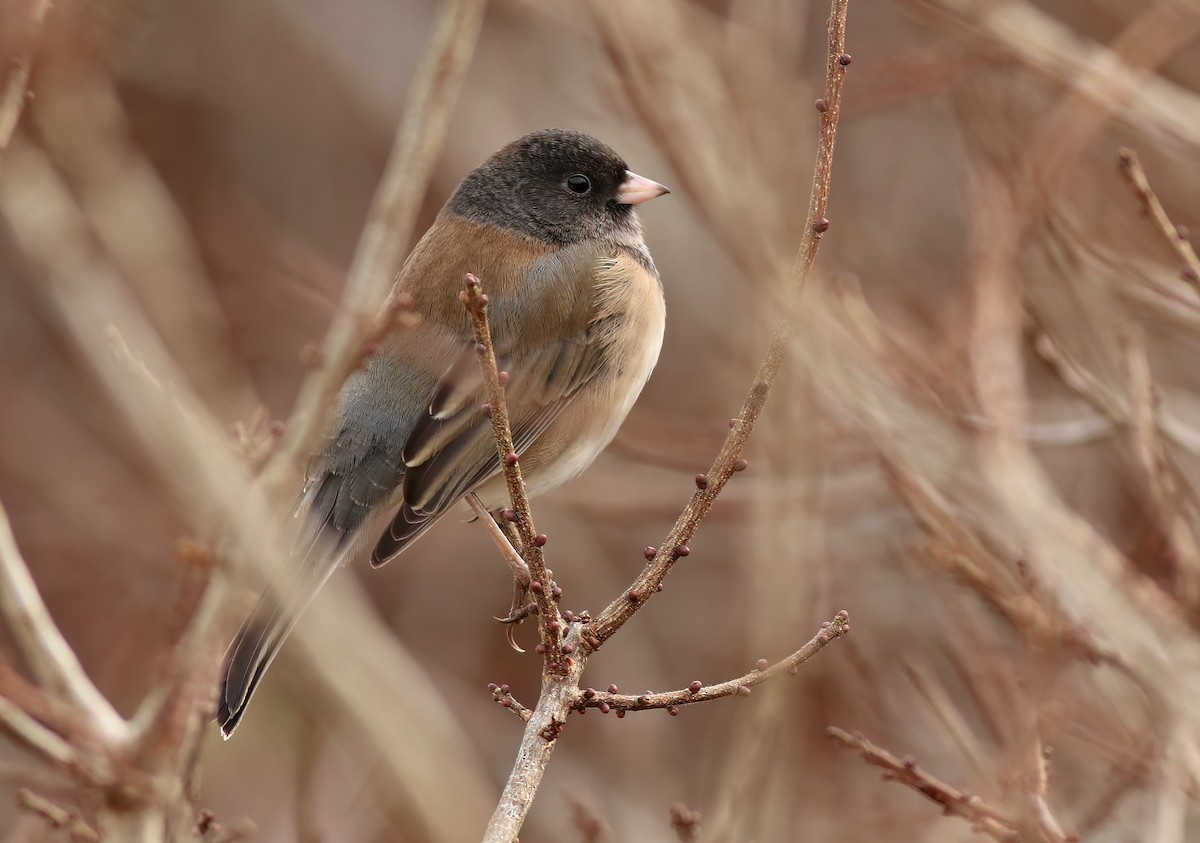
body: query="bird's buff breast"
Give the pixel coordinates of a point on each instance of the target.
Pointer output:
(574, 440)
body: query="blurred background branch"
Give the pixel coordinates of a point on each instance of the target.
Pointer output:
(968, 447)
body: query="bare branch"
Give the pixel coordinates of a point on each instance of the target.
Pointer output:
(387, 234)
(502, 695)
(696, 692)
(36, 736)
(50, 657)
(1168, 494)
(14, 90)
(709, 485)
(537, 744)
(475, 301)
(983, 818)
(1174, 236)
(57, 816)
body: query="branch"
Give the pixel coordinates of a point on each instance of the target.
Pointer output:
(15, 88)
(1168, 496)
(560, 691)
(386, 235)
(549, 623)
(709, 485)
(49, 655)
(18, 723)
(1175, 237)
(696, 692)
(57, 816)
(983, 818)
(502, 695)
(542, 729)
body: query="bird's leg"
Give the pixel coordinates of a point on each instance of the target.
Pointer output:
(503, 535)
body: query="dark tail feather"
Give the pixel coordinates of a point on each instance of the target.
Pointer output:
(263, 633)
(247, 659)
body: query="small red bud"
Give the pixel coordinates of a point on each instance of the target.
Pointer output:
(612, 689)
(510, 516)
(821, 225)
(673, 711)
(821, 106)
(695, 686)
(682, 550)
(701, 481)
(649, 553)
(740, 465)
(540, 540)
(743, 691)
(502, 377)
(605, 708)
(845, 59)
(535, 587)
(761, 665)
(540, 649)
(510, 459)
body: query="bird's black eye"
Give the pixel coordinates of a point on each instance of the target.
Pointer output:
(579, 183)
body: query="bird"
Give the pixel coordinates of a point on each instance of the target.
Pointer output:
(577, 315)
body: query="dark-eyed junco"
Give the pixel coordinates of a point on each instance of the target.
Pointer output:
(577, 316)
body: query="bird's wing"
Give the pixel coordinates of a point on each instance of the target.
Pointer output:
(451, 450)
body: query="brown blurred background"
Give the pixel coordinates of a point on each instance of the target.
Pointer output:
(253, 134)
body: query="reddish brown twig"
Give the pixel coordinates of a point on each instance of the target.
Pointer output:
(57, 816)
(696, 692)
(549, 623)
(1174, 236)
(983, 817)
(675, 544)
(502, 695)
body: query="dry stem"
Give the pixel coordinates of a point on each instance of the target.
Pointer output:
(560, 691)
(386, 235)
(983, 817)
(647, 582)
(605, 701)
(1175, 237)
(1168, 495)
(57, 816)
(50, 657)
(475, 301)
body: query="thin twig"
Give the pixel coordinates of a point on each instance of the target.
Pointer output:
(676, 543)
(560, 692)
(1168, 493)
(57, 816)
(1090, 388)
(983, 817)
(15, 88)
(386, 235)
(696, 692)
(49, 655)
(1174, 236)
(34, 735)
(549, 623)
(502, 695)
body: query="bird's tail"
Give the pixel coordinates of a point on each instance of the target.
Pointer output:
(263, 633)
